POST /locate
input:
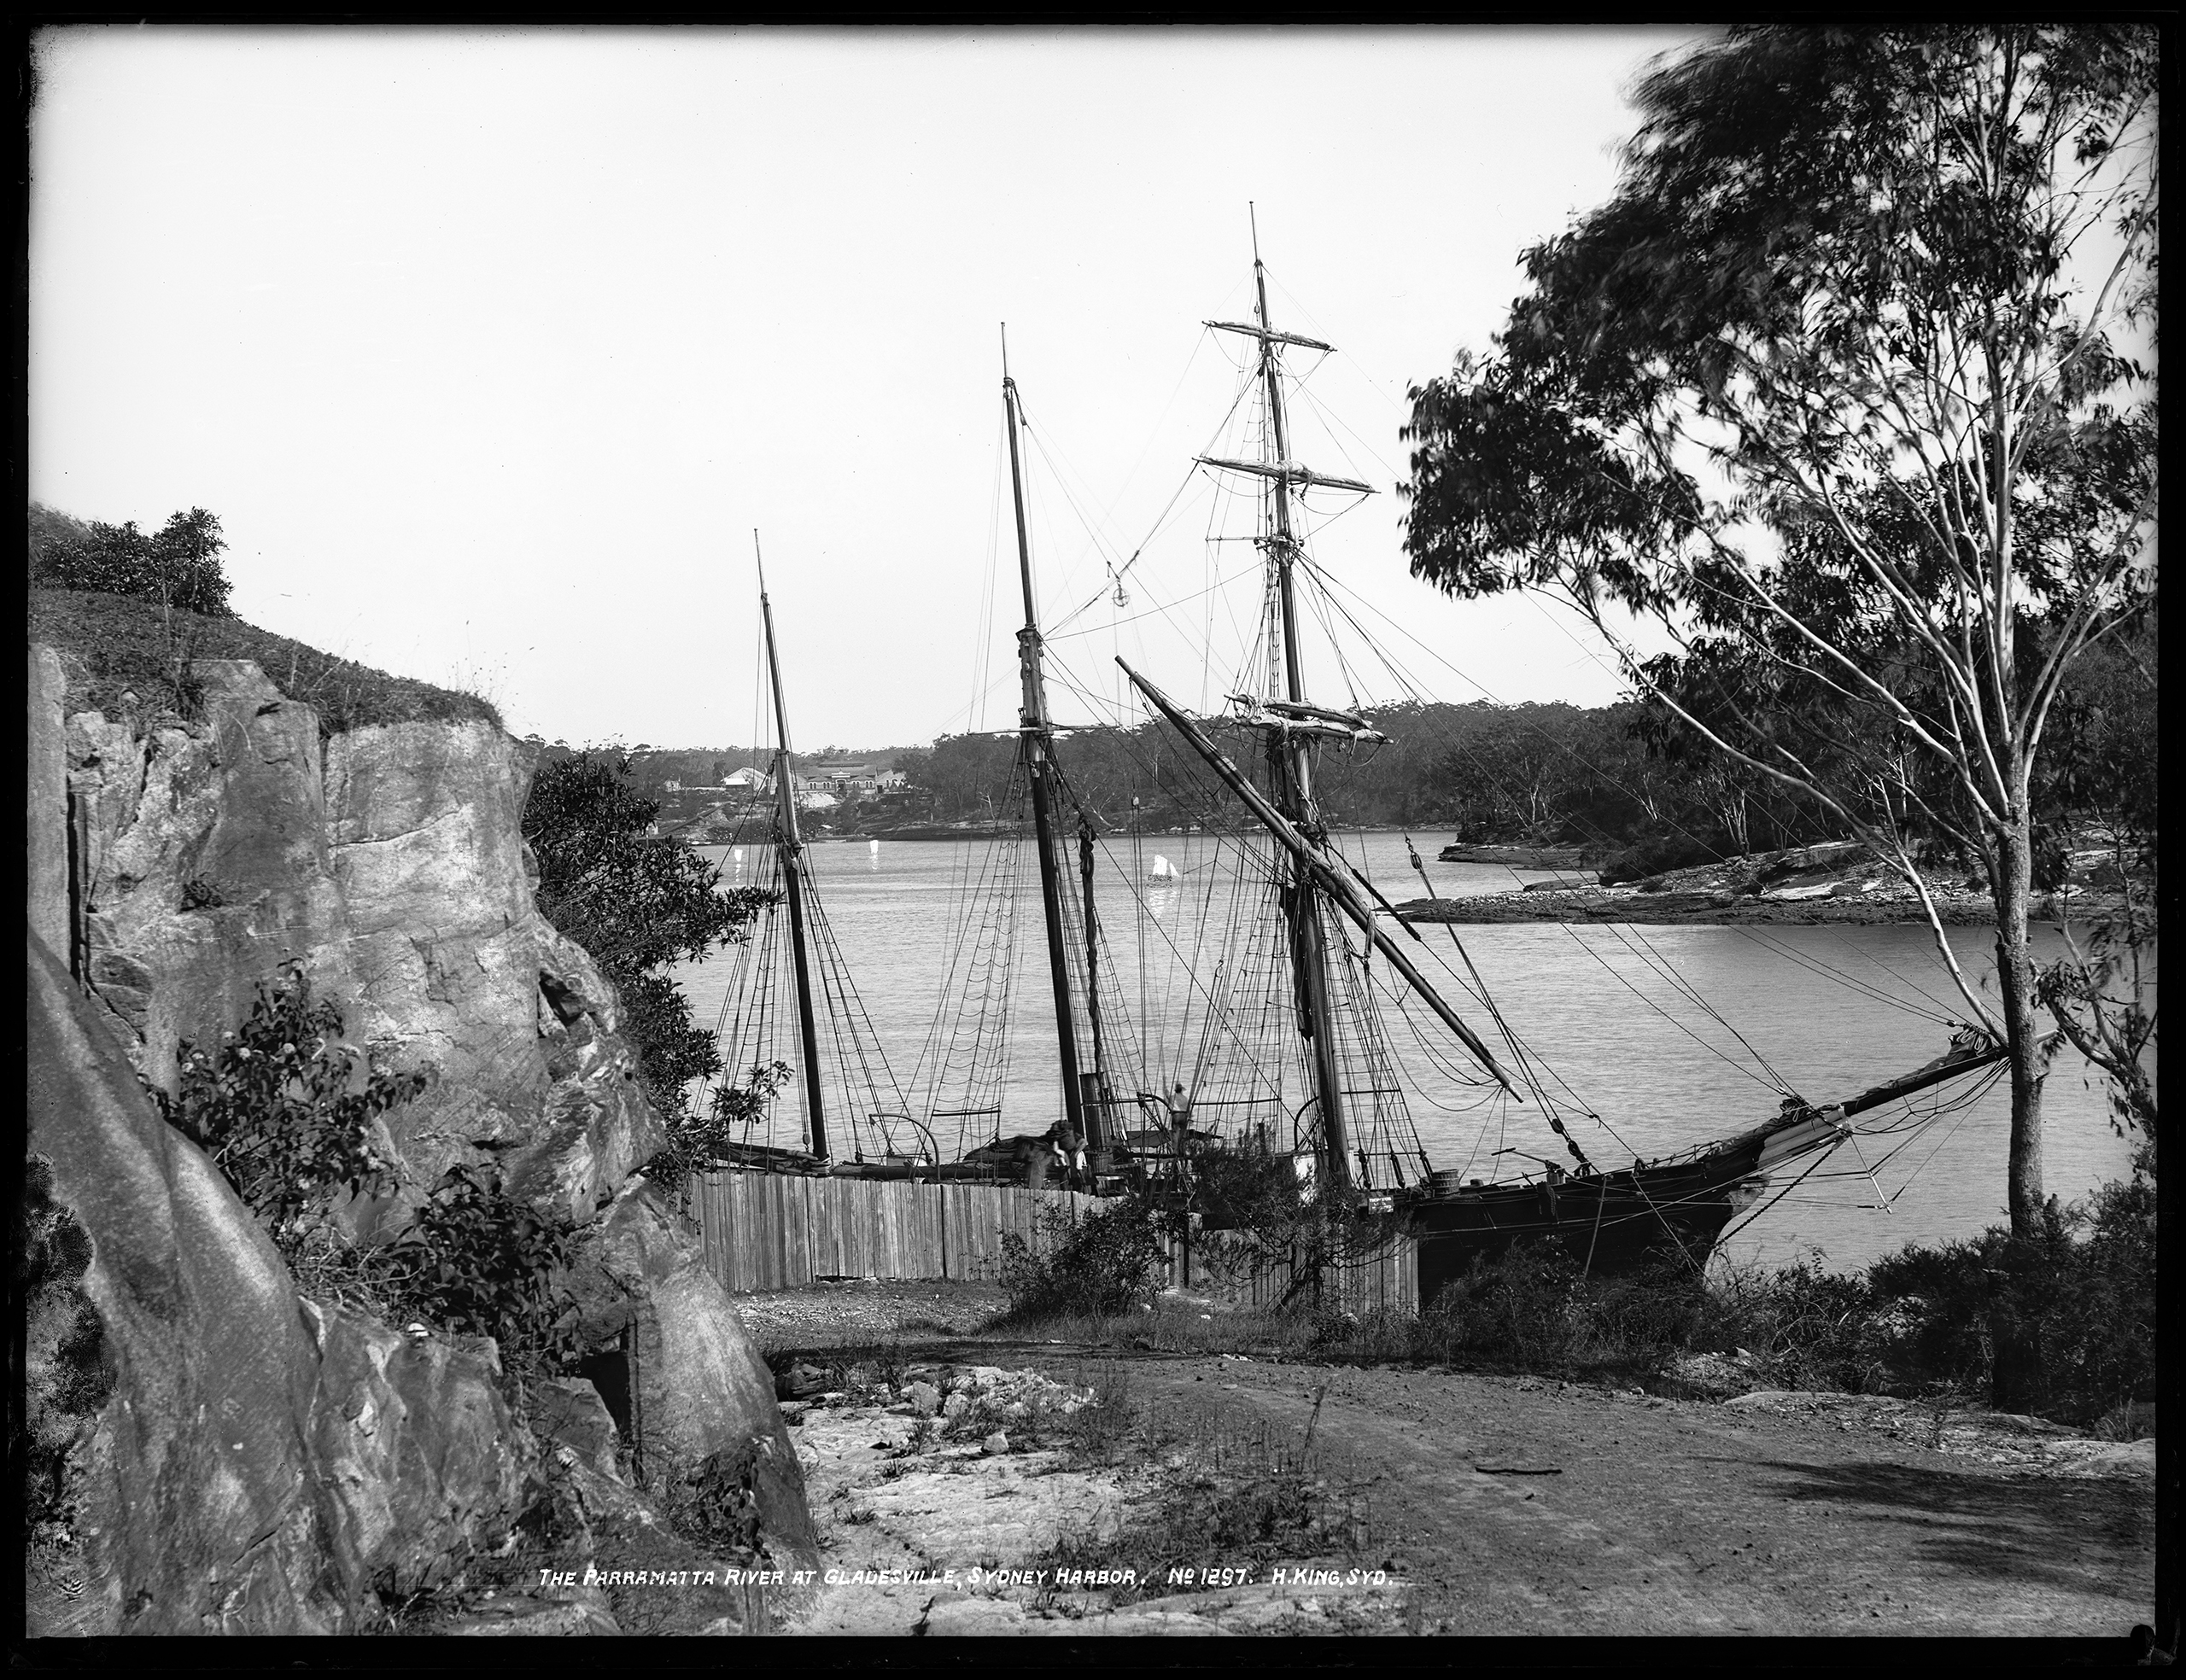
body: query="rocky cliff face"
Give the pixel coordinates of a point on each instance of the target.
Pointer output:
(282, 1453)
(391, 861)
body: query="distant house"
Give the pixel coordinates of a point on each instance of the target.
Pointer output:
(748, 781)
(853, 781)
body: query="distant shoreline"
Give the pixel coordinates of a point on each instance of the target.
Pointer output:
(1676, 909)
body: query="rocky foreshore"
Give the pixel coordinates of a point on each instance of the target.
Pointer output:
(1838, 882)
(1634, 904)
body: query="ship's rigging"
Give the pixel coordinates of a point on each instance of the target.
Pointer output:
(1268, 971)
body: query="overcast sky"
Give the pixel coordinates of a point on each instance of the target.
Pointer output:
(490, 349)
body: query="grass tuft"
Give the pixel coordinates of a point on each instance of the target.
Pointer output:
(113, 645)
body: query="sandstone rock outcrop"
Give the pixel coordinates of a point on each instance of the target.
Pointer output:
(239, 1474)
(202, 862)
(424, 829)
(281, 1461)
(47, 829)
(391, 862)
(594, 1127)
(193, 1481)
(419, 1460)
(695, 1381)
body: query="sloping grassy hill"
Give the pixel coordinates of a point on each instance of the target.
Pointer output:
(110, 644)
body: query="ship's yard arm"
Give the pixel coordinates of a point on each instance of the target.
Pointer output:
(1337, 887)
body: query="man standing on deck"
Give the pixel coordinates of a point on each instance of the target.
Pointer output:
(1070, 1155)
(1180, 1117)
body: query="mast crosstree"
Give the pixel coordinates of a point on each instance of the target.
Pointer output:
(1291, 749)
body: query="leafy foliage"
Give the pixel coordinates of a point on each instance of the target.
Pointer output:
(2076, 1305)
(1838, 388)
(1104, 1262)
(479, 1262)
(638, 904)
(721, 1509)
(284, 1109)
(179, 565)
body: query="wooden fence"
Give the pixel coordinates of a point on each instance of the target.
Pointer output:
(1385, 1280)
(778, 1230)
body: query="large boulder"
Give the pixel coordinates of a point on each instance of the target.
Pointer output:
(420, 1462)
(206, 861)
(389, 862)
(426, 830)
(47, 832)
(693, 1382)
(185, 1503)
(215, 1454)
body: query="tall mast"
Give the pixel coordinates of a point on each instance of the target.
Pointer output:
(1092, 962)
(1289, 754)
(789, 844)
(1035, 741)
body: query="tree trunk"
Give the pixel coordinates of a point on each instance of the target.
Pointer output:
(2012, 878)
(2016, 1381)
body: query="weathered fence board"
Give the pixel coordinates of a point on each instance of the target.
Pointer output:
(778, 1230)
(1386, 1280)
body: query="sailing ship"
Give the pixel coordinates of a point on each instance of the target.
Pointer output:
(1092, 1057)
(1351, 1126)
(788, 985)
(1280, 1042)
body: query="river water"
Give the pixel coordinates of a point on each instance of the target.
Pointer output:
(1830, 1010)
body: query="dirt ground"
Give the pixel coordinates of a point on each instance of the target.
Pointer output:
(1491, 1504)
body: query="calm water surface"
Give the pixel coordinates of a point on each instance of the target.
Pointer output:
(1832, 1010)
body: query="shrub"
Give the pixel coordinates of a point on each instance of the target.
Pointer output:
(286, 1111)
(1245, 1191)
(479, 1262)
(639, 904)
(2076, 1305)
(1516, 1307)
(720, 1511)
(278, 1107)
(1810, 1329)
(1105, 1262)
(2079, 1310)
(178, 566)
(1644, 1317)
(696, 1142)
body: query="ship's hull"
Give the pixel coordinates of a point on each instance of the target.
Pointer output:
(1610, 1223)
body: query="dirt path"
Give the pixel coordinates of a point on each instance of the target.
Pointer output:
(1676, 1516)
(1510, 1506)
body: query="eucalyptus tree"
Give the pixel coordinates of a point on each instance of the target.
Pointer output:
(1844, 389)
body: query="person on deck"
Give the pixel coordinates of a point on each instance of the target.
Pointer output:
(1070, 1155)
(1180, 1117)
